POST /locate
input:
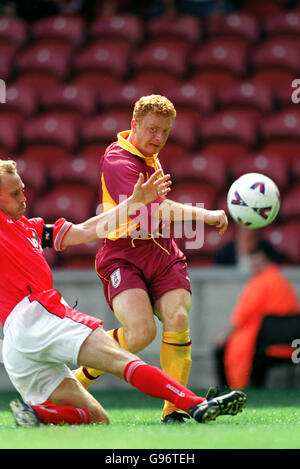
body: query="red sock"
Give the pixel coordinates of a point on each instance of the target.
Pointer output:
(62, 414)
(154, 382)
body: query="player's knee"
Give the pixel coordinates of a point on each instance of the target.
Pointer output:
(142, 335)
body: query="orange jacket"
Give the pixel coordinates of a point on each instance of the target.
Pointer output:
(267, 293)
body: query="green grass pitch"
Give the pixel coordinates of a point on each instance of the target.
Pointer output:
(271, 420)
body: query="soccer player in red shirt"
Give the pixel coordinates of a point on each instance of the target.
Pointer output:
(145, 274)
(43, 336)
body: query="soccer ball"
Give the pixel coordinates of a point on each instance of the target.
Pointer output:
(253, 200)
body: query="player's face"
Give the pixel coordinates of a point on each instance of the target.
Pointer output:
(12, 198)
(149, 135)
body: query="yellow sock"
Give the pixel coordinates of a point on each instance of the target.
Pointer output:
(175, 359)
(85, 375)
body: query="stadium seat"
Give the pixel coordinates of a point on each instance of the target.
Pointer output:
(160, 81)
(50, 129)
(74, 202)
(253, 98)
(193, 193)
(106, 56)
(33, 173)
(228, 151)
(186, 95)
(185, 28)
(229, 126)
(227, 55)
(7, 54)
(21, 102)
(282, 24)
(239, 25)
(263, 9)
(270, 164)
(59, 28)
(295, 169)
(103, 128)
(214, 78)
(43, 64)
(285, 238)
(281, 130)
(73, 100)
(9, 134)
(163, 55)
(290, 205)
(13, 30)
(79, 168)
(126, 27)
(169, 153)
(185, 129)
(124, 94)
(198, 167)
(275, 60)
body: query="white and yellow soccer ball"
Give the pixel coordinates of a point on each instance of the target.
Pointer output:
(253, 200)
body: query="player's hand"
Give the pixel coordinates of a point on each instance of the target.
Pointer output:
(218, 219)
(155, 187)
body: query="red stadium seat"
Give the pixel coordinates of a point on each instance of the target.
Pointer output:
(229, 126)
(13, 30)
(271, 165)
(169, 153)
(282, 130)
(80, 257)
(41, 56)
(285, 238)
(184, 28)
(104, 127)
(214, 78)
(70, 29)
(290, 205)
(7, 54)
(275, 60)
(74, 202)
(228, 151)
(185, 128)
(9, 133)
(74, 100)
(198, 167)
(51, 129)
(239, 25)
(33, 173)
(282, 24)
(252, 97)
(83, 169)
(160, 81)
(188, 95)
(163, 55)
(295, 169)
(227, 55)
(126, 27)
(263, 9)
(193, 193)
(105, 56)
(124, 94)
(21, 102)
(273, 77)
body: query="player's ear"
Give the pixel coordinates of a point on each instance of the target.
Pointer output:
(133, 125)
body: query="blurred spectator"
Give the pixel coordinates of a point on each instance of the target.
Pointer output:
(236, 252)
(267, 292)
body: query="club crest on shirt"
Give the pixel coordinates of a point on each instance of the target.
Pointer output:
(115, 278)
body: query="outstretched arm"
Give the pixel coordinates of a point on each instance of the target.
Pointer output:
(143, 193)
(169, 210)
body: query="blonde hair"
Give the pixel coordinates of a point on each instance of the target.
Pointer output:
(153, 103)
(7, 167)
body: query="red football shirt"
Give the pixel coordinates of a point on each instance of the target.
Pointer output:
(24, 268)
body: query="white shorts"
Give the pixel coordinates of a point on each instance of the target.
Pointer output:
(39, 344)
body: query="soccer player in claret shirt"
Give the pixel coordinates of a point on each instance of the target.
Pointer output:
(145, 274)
(43, 336)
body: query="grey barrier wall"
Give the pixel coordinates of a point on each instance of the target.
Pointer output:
(215, 291)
